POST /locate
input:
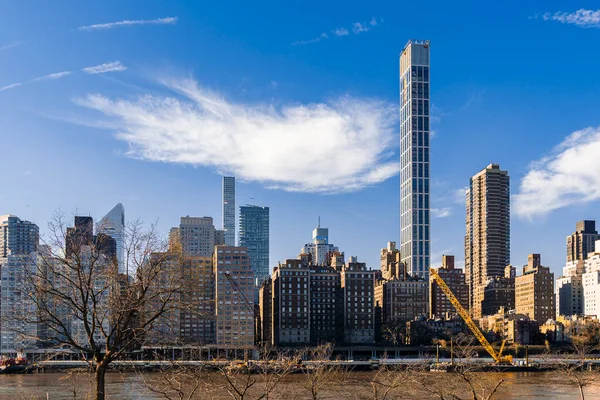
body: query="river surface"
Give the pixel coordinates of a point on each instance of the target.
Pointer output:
(519, 385)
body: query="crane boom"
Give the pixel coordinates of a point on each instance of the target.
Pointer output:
(498, 358)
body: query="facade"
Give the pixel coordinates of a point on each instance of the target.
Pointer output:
(498, 293)
(265, 302)
(320, 247)
(358, 284)
(534, 291)
(326, 324)
(196, 323)
(197, 236)
(234, 297)
(391, 263)
(439, 304)
(229, 210)
(569, 289)
(581, 242)
(591, 283)
(17, 237)
(487, 240)
(414, 157)
(113, 225)
(401, 300)
(291, 297)
(18, 330)
(254, 235)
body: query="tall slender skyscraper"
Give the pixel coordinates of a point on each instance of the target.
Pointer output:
(229, 209)
(487, 241)
(113, 225)
(254, 234)
(414, 157)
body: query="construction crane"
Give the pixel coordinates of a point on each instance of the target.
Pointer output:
(498, 357)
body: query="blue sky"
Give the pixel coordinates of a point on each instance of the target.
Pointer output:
(299, 101)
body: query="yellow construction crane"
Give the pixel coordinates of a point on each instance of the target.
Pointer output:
(498, 358)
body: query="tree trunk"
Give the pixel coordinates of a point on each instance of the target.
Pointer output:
(100, 375)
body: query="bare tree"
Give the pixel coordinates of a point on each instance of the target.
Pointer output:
(238, 379)
(585, 339)
(83, 301)
(180, 383)
(273, 372)
(320, 375)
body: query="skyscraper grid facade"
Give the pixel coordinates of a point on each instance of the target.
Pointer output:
(414, 157)
(254, 235)
(229, 209)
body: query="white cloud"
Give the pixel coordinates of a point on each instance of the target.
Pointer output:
(569, 175)
(56, 75)
(314, 40)
(339, 146)
(9, 45)
(460, 195)
(357, 27)
(341, 32)
(441, 212)
(110, 25)
(114, 66)
(582, 17)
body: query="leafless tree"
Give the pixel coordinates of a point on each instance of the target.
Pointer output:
(319, 375)
(273, 370)
(83, 302)
(180, 383)
(238, 380)
(585, 339)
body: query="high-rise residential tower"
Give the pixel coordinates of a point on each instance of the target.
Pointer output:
(487, 241)
(17, 237)
(581, 242)
(113, 225)
(197, 235)
(229, 209)
(19, 241)
(319, 247)
(414, 157)
(254, 235)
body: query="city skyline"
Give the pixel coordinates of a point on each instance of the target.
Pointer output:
(481, 100)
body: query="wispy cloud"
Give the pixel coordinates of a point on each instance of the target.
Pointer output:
(341, 32)
(114, 66)
(569, 175)
(255, 141)
(460, 195)
(10, 45)
(583, 18)
(55, 75)
(441, 212)
(110, 25)
(313, 40)
(356, 28)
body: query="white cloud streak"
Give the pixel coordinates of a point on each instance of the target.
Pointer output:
(309, 41)
(583, 18)
(356, 137)
(114, 66)
(53, 76)
(9, 45)
(441, 212)
(341, 32)
(357, 28)
(110, 25)
(569, 175)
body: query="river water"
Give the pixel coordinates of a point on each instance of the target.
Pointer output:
(52, 386)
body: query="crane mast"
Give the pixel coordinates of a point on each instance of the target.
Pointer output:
(498, 358)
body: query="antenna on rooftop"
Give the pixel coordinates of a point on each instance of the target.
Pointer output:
(319, 222)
